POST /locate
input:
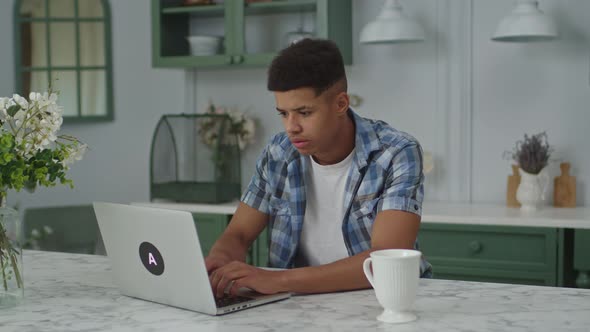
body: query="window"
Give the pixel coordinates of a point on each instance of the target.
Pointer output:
(66, 44)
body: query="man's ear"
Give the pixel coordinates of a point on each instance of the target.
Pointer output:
(342, 103)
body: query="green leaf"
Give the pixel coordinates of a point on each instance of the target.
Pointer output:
(13, 109)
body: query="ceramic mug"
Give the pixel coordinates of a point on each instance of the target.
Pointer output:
(394, 277)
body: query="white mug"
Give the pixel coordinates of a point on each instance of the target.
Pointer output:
(395, 278)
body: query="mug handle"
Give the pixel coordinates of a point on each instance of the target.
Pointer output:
(367, 270)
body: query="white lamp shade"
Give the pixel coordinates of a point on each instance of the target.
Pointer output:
(392, 26)
(526, 23)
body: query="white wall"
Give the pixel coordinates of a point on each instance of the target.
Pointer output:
(391, 80)
(6, 52)
(116, 166)
(529, 88)
(467, 115)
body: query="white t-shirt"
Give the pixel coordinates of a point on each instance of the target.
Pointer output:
(322, 241)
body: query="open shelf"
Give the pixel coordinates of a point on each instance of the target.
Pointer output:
(199, 11)
(255, 8)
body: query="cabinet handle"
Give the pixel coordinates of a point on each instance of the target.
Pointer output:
(475, 246)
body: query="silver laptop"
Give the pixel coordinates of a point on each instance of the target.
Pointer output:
(156, 256)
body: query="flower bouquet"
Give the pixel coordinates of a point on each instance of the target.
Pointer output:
(240, 125)
(31, 155)
(532, 156)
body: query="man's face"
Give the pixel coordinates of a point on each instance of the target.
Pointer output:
(310, 121)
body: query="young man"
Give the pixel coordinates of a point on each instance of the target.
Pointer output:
(332, 188)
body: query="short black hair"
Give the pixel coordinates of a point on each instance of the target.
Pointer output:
(313, 63)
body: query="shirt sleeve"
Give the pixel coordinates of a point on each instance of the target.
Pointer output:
(404, 186)
(256, 194)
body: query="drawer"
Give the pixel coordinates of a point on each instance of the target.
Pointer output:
(490, 247)
(495, 275)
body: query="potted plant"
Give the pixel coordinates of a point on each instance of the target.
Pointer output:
(31, 155)
(532, 156)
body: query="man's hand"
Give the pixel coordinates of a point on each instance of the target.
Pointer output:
(233, 244)
(238, 274)
(215, 261)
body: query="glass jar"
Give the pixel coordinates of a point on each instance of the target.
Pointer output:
(11, 262)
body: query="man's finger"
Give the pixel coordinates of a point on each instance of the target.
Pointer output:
(221, 286)
(214, 279)
(230, 273)
(235, 287)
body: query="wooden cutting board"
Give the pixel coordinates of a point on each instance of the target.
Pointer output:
(564, 190)
(513, 182)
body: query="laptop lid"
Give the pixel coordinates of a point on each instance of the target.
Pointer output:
(155, 255)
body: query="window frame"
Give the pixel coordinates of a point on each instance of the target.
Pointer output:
(107, 68)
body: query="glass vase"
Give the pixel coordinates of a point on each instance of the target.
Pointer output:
(11, 262)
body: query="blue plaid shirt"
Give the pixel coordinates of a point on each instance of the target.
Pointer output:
(386, 174)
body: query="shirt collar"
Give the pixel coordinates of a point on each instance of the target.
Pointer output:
(366, 141)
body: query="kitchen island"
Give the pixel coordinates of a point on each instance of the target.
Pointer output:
(72, 292)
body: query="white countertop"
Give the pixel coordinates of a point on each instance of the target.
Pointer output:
(68, 292)
(448, 213)
(223, 208)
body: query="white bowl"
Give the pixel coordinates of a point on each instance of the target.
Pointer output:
(205, 45)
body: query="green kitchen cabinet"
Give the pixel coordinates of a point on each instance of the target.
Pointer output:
(71, 229)
(253, 32)
(505, 254)
(582, 257)
(210, 226)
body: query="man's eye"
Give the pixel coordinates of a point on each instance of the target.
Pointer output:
(304, 113)
(282, 114)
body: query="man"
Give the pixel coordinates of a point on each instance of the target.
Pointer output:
(332, 188)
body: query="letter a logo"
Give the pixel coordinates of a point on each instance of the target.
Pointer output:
(152, 260)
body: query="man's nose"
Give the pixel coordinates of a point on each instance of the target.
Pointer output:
(292, 124)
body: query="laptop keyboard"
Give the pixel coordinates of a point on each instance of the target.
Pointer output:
(230, 300)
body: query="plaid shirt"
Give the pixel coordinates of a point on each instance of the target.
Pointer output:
(386, 174)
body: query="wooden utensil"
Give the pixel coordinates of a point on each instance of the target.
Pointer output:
(513, 182)
(564, 190)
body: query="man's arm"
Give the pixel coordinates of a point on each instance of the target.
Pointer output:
(391, 229)
(245, 225)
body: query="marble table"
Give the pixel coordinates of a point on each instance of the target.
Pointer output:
(70, 292)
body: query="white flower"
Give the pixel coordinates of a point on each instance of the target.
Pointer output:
(48, 230)
(75, 154)
(21, 101)
(242, 126)
(35, 233)
(246, 135)
(35, 96)
(35, 125)
(3, 103)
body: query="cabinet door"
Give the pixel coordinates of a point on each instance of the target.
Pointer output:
(209, 228)
(254, 32)
(259, 250)
(173, 25)
(526, 255)
(581, 258)
(264, 28)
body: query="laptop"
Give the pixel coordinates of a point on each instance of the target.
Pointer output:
(155, 255)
